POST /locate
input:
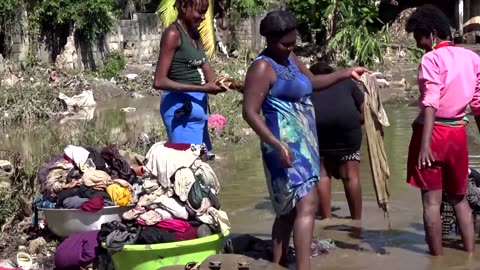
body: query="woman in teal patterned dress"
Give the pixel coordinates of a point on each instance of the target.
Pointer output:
(279, 86)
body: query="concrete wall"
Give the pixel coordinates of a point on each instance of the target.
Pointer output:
(20, 40)
(138, 39)
(246, 32)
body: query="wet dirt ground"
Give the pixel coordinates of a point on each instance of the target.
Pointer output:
(369, 245)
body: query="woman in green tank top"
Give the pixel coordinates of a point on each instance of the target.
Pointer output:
(185, 76)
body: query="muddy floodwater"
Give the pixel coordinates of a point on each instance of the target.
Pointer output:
(370, 245)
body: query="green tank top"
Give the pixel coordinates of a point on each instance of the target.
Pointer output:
(187, 62)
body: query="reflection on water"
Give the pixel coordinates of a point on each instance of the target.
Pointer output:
(245, 197)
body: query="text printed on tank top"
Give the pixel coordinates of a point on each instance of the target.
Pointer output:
(196, 63)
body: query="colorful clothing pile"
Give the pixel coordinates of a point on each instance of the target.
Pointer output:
(87, 179)
(178, 187)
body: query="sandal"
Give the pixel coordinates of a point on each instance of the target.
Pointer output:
(192, 266)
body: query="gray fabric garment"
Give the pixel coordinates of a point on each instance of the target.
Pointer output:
(117, 239)
(74, 202)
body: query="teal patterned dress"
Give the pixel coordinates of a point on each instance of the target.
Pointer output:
(290, 116)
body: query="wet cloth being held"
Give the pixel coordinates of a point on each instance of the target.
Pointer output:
(78, 250)
(163, 162)
(96, 179)
(118, 167)
(375, 119)
(121, 196)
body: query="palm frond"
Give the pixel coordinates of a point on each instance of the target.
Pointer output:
(207, 32)
(167, 12)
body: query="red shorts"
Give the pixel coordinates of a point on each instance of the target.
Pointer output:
(449, 171)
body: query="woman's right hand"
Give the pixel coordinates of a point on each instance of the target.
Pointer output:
(356, 72)
(212, 88)
(285, 155)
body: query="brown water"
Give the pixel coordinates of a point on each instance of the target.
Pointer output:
(245, 197)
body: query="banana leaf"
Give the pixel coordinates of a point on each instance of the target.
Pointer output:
(168, 14)
(207, 32)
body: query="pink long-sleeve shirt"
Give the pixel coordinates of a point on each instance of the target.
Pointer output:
(449, 80)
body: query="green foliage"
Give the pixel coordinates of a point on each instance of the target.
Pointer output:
(90, 18)
(7, 8)
(114, 65)
(7, 16)
(309, 13)
(8, 205)
(26, 102)
(247, 8)
(415, 54)
(353, 40)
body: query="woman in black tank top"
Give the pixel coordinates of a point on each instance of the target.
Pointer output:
(339, 117)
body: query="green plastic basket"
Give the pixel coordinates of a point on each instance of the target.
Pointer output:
(152, 257)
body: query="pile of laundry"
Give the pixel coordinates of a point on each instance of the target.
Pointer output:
(85, 178)
(178, 199)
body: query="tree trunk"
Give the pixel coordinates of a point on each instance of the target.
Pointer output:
(128, 9)
(331, 27)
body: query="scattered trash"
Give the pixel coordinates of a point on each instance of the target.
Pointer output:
(136, 95)
(86, 113)
(85, 99)
(6, 171)
(24, 261)
(143, 138)
(247, 131)
(128, 109)
(35, 245)
(131, 77)
(6, 167)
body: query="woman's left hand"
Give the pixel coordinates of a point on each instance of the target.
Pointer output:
(356, 72)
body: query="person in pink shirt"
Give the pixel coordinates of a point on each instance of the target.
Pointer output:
(449, 81)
